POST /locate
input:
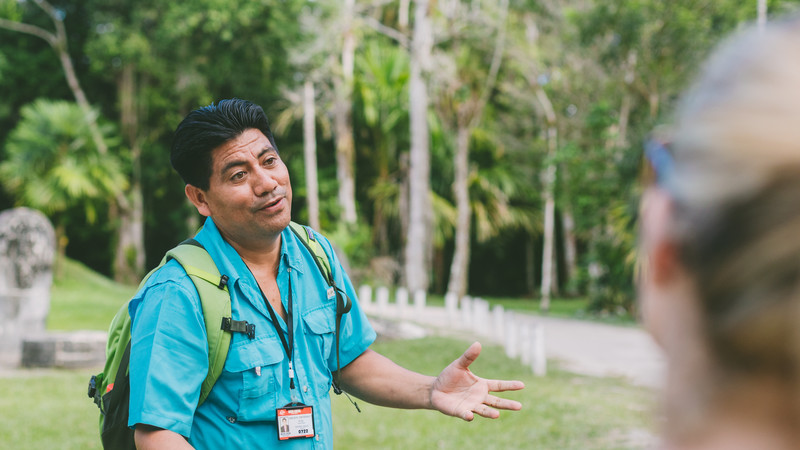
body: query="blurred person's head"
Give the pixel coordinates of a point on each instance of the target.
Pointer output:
(721, 239)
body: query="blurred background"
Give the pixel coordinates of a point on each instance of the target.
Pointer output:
(476, 147)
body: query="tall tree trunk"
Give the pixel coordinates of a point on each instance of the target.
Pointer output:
(402, 15)
(549, 233)
(405, 191)
(762, 14)
(468, 117)
(654, 100)
(570, 247)
(548, 181)
(343, 123)
(418, 239)
(622, 124)
(459, 278)
(530, 265)
(568, 231)
(310, 153)
(626, 105)
(129, 258)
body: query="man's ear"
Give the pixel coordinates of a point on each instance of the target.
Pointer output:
(198, 198)
(658, 244)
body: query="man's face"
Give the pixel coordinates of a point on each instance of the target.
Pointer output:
(249, 194)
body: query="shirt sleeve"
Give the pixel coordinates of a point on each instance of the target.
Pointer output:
(169, 351)
(356, 334)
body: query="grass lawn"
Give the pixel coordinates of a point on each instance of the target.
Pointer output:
(48, 409)
(560, 410)
(43, 409)
(82, 299)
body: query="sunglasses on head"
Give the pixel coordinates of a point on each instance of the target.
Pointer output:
(661, 162)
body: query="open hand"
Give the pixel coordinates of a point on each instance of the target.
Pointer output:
(460, 393)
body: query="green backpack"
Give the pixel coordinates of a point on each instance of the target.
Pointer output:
(110, 389)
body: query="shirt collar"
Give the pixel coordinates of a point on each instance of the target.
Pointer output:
(230, 263)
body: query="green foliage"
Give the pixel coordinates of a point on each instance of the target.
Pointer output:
(354, 241)
(10, 9)
(589, 57)
(499, 187)
(52, 164)
(380, 119)
(3, 64)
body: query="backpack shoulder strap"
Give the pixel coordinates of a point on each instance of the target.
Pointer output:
(309, 240)
(343, 302)
(215, 300)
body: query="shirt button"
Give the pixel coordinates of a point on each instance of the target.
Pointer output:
(305, 388)
(231, 419)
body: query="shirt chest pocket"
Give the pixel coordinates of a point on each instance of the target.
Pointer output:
(258, 365)
(320, 327)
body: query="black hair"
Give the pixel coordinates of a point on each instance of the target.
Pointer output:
(205, 129)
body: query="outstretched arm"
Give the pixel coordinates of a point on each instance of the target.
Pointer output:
(456, 391)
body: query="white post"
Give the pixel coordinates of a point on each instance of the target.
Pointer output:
(480, 319)
(525, 337)
(365, 296)
(498, 330)
(451, 308)
(539, 364)
(511, 341)
(401, 298)
(419, 301)
(761, 9)
(466, 312)
(382, 299)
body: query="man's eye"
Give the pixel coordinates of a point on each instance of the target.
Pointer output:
(270, 161)
(237, 176)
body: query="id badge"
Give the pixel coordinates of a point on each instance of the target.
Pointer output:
(295, 420)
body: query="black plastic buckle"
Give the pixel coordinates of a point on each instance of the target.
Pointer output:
(251, 330)
(223, 281)
(239, 326)
(92, 386)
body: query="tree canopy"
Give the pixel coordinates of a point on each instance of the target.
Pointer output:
(536, 114)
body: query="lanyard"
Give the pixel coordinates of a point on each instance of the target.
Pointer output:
(288, 340)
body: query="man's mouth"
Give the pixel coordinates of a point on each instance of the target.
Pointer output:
(270, 204)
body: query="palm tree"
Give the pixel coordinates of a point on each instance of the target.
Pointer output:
(53, 164)
(381, 111)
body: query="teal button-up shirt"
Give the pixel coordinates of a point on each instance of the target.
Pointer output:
(169, 350)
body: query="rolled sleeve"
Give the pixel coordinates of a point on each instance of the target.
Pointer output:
(169, 352)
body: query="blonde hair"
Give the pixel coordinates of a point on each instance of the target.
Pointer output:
(736, 185)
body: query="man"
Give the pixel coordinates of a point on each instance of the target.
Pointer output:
(234, 176)
(284, 426)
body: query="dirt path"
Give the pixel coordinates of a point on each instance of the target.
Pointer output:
(604, 350)
(579, 346)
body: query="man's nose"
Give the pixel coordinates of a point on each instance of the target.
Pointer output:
(264, 181)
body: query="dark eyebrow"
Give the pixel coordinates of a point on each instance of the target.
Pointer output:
(239, 162)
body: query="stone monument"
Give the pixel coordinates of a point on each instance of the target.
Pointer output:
(27, 253)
